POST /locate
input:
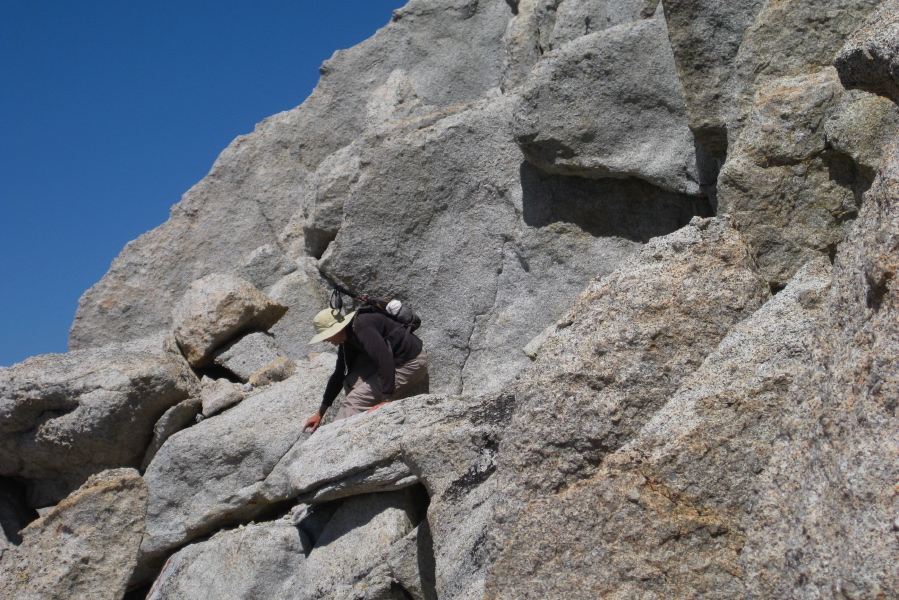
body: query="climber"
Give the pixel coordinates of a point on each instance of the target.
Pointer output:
(378, 360)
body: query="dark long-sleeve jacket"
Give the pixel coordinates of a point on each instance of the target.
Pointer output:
(377, 338)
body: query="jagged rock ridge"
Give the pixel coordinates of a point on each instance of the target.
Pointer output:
(707, 404)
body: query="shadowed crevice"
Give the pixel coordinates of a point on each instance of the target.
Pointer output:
(628, 208)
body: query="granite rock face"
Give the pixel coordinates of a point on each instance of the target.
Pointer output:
(705, 38)
(247, 355)
(826, 518)
(86, 547)
(205, 476)
(68, 416)
(870, 59)
(713, 417)
(679, 497)
(256, 561)
(787, 185)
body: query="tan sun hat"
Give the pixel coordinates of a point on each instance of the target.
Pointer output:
(329, 322)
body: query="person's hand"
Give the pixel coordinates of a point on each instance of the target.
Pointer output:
(314, 421)
(378, 405)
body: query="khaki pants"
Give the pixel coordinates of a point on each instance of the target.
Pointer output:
(363, 386)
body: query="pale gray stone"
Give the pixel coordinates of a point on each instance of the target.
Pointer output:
(609, 105)
(305, 293)
(265, 265)
(205, 477)
(357, 540)
(172, 421)
(870, 59)
(247, 355)
(575, 18)
(256, 561)
(85, 547)
(64, 417)
(217, 308)
(408, 563)
(218, 395)
(694, 469)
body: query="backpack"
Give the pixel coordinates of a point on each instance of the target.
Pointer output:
(393, 308)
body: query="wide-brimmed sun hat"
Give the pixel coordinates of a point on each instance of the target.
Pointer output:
(329, 322)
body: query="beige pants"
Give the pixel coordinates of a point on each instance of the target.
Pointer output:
(364, 389)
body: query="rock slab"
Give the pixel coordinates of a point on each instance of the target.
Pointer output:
(85, 547)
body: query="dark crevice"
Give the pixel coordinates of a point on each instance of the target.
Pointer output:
(777, 288)
(316, 240)
(628, 208)
(427, 564)
(708, 166)
(513, 4)
(15, 514)
(878, 289)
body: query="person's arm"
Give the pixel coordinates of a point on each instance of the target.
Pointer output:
(332, 389)
(379, 351)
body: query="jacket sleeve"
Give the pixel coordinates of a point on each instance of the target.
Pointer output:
(335, 382)
(379, 351)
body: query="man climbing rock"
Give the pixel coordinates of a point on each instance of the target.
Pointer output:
(378, 360)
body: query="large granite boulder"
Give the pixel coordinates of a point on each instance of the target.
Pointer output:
(204, 477)
(64, 417)
(216, 309)
(679, 497)
(85, 547)
(791, 185)
(870, 59)
(627, 343)
(609, 105)
(256, 561)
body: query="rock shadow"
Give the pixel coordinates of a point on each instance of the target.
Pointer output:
(628, 208)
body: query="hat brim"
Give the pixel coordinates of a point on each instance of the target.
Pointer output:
(333, 329)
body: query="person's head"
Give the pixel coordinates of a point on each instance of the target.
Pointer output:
(330, 326)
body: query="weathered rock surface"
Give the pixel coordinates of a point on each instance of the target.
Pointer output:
(826, 518)
(247, 355)
(649, 325)
(205, 476)
(265, 266)
(275, 371)
(262, 174)
(789, 38)
(579, 110)
(705, 38)
(85, 547)
(348, 559)
(217, 308)
(446, 443)
(788, 191)
(172, 421)
(667, 514)
(256, 561)
(219, 394)
(64, 417)
(680, 432)
(870, 59)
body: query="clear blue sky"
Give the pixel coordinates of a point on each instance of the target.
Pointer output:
(110, 110)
